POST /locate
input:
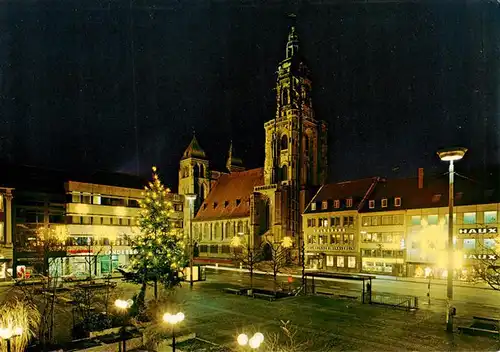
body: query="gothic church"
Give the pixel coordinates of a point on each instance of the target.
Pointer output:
(262, 205)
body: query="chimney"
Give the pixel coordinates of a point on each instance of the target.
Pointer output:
(420, 177)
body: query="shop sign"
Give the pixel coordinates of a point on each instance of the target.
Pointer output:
(122, 252)
(329, 248)
(481, 256)
(479, 231)
(80, 251)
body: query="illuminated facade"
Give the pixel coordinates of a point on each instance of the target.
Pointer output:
(263, 204)
(100, 220)
(400, 227)
(6, 244)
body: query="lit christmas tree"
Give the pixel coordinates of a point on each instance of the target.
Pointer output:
(160, 249)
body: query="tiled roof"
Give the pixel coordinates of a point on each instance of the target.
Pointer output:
(433, 194)
(356, 189)
(231, 195)
(194, 150)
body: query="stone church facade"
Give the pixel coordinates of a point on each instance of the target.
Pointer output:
(262, 205)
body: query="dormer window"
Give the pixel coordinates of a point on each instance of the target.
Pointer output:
(226, 203)
(459, 195)
(436, 198)
(313, 206)
(324, 205)
(204, 206)
(384, 203)
(397, 201)
(238, 202)
(371, 204)
(336, 203)
(215, 205)
(349, 202)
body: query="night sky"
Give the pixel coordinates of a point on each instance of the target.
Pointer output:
(394, 80)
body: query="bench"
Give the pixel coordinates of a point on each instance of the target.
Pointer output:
(492, 320)
(264, 296)
(236, 291)
(477, 331)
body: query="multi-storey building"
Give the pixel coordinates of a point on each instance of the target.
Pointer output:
(6, 246)
(401, 226)
(331, 225)
(265, 203)
(88, 219)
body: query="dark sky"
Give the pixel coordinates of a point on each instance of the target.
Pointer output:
(394, 80)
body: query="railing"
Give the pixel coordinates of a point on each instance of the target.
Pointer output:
(396, 301)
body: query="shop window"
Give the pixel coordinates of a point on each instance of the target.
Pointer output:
(384, 203)
(371, 204)
(469, 218)
(340, 262)
(397, 201)
(490, 243)
(351, 262)
(324, 205)
(329, 260)
(469, 244)
(432, 219)
(490, 217)
(416, 220)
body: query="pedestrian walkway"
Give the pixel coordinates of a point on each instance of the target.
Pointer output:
(297, 273)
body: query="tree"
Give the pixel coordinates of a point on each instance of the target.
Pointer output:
(160, 250)
(280, 258)
(246, 255)
(487, 266)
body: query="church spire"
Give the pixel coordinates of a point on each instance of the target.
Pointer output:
(233, 164)
(292, 46)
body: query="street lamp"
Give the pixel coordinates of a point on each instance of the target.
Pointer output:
(8, 333)
(451, 155)
(123, 306)
(173, 320)
(191, 198)
(254, 342)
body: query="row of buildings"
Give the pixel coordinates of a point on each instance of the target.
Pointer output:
(79, 224)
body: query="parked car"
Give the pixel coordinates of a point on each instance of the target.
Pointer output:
(76, 276)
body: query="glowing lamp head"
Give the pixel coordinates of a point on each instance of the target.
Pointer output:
(173, 319)
(259, 336)
(6, 333)
(242, 339)
(191, 197)
(122, 304)
(254, 342)
(287, 242)
(451, 154)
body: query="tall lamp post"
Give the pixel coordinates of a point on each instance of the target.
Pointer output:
(123, 306)
(173, 320)
(191, 198)
(451, 155)
(8, 333)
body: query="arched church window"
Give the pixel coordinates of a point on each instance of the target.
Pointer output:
(228, 230)
(284, 142)
(196, 170)
(202, 170)
(284, 96)
(206, 232)
(218, 233)
(201, 194)
(284, 173)
(240, 227)
(306, 144)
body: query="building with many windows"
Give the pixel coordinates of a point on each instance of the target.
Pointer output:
(401, 226)
(332, 228)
